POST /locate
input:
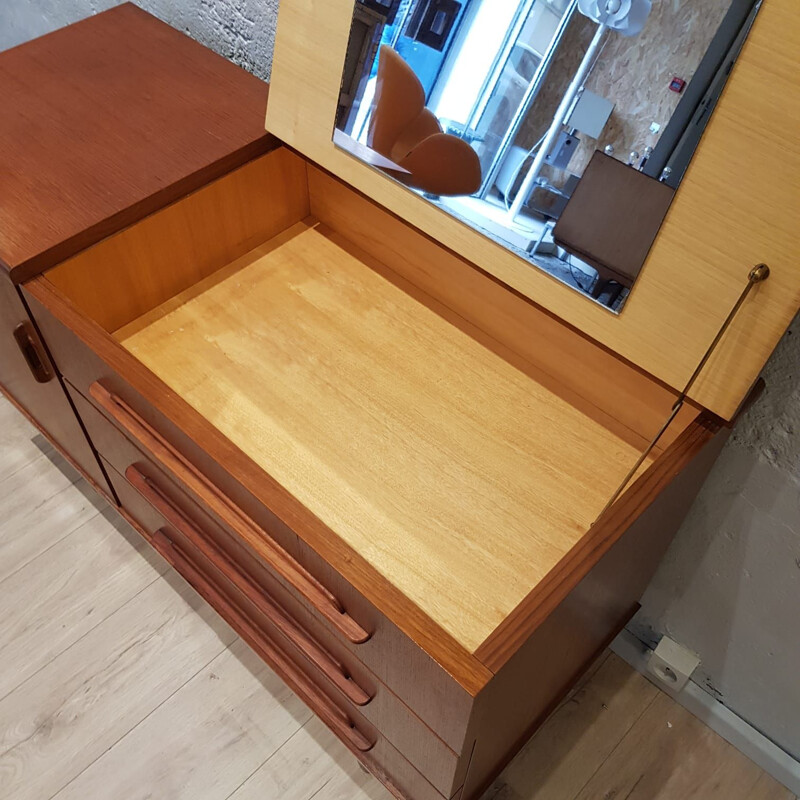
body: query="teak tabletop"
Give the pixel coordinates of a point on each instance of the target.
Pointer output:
(106, 121)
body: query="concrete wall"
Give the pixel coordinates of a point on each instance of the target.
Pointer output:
(730, 586)
(241, 30)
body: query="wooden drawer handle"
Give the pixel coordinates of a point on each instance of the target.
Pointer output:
(267, 649)
(254, 536)
(31, 350)
(314, 652)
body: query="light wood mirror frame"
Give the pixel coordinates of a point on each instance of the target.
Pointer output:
(736, 207)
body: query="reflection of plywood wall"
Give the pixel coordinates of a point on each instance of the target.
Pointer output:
(633, 73)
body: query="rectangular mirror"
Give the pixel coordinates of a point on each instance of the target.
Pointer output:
(558, 128)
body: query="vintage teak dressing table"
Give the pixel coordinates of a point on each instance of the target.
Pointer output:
(380, 445)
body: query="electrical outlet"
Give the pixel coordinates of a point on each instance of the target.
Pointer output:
(671, 664)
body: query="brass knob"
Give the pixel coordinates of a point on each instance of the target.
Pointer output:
(760, 272)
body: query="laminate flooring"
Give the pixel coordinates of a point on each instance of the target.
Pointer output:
(117, 682)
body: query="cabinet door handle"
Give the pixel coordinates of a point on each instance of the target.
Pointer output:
(31, 349)
(269, 651)
(315, 653)
(324, 601)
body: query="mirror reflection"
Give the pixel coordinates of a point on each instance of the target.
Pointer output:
(559, 128)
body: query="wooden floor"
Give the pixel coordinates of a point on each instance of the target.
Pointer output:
(118, 683)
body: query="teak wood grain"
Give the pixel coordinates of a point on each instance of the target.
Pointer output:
(736, 207)
(106, 121)
(185, 242)
(469, 480)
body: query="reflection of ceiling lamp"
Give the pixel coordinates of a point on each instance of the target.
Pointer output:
(626, 16)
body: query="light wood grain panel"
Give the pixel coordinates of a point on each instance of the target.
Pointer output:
(68, 714)
(69, 589)
(669, 754)
(182, 244)
(571, 364)
(736, 207)
(222, 725)
(454, 474)
(575, 742)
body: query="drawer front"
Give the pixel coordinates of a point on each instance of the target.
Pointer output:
(346, 674)
(359, 714)
(398, 662)
(29, 378)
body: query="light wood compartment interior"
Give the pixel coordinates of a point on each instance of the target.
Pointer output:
(459, 438)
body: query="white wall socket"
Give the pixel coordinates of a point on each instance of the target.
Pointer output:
(671, 664)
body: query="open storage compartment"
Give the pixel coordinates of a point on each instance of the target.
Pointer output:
(393, 419)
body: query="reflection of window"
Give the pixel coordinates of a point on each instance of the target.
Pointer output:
(471, 58)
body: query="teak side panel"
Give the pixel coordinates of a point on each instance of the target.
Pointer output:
(582, 624)
(107, 120)
(459, 478)
(736, 207)
(91, 354)
(175, 248)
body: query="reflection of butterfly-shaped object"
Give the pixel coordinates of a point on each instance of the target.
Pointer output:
(403, 130)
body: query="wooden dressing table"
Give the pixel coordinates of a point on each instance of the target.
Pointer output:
(378, 444)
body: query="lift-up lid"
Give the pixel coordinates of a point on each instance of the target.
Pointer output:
(737, 206)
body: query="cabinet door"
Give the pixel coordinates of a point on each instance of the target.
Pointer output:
(28, 377)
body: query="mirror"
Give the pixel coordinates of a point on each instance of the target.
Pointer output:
(558, 128)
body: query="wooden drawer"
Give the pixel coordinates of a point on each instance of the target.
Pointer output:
(340, 667)
(358, 708)
(31, 382)
(416, 678)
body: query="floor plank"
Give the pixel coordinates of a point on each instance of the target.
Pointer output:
(41, 505)
(68, 714)
(670, 754)
(66, 591)
(313, 763)
(221, 726)
(17, 448)
(564, 755)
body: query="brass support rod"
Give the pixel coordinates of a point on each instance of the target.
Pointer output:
(758, 274)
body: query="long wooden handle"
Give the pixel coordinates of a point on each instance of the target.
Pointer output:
(269, 651)
(321, 658)
(253, 535)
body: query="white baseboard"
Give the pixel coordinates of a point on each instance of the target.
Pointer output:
(743, 736)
